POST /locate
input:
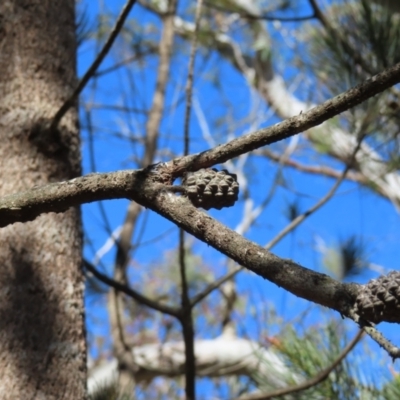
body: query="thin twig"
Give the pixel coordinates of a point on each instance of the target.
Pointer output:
(96, 63)
(378, 337)
(136, 57)
(189, 82)
(187, 317)
(215, 285)
(131, 292)
(375, 335)
(319, 14)
(92, 162)
(187, 324)
(310, 382)
(312, 169)
(319, 203)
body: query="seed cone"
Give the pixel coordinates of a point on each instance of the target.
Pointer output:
(210, 188)
(379, 299)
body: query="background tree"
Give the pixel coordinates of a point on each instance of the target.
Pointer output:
(150, 103)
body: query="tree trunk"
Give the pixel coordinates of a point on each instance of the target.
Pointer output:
(42, 336)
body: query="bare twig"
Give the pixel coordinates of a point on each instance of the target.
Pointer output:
(186, 321)
(293, 224)
(187, 317)
(136, 57)
(320, 377)
(215, 285)
(143, 300)
(189, 82)
(377, 336)
(319, 14)
(313, 169)
(92, 69)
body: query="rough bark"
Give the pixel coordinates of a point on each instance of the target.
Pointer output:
(42, 337)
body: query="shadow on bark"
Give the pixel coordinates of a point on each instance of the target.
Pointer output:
(29, 303)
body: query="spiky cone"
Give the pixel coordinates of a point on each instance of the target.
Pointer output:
(379, 299)
(210, 188)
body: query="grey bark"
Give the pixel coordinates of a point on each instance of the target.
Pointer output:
(42, 337)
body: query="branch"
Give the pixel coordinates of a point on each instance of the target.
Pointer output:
(316, 287)
(96, 63)
(143, 186)
(58, 197)
(139, 186)
(186, 321)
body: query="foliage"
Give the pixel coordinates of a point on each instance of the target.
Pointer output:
(360, 39)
